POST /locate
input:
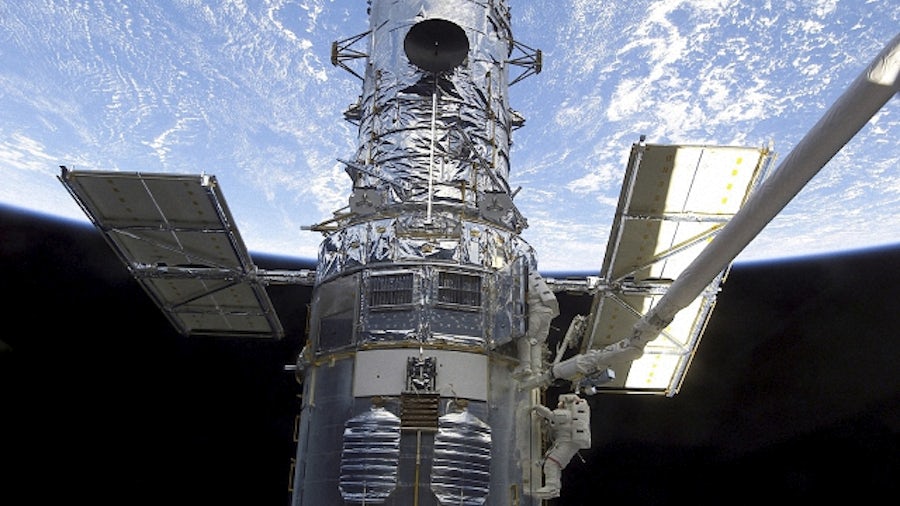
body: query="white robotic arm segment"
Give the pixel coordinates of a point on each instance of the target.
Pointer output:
(599, 361)
(853, 109)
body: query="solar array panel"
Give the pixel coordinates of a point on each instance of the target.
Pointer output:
(179, 241)
(674, 199)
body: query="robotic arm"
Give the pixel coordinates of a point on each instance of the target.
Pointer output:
(865, 96)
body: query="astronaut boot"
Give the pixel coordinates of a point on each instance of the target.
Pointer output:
(552, 483)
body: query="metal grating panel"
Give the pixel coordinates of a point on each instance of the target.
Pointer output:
(674, 200)
(178, 239)
(419, 411)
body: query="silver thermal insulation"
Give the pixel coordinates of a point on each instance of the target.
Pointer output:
(448, 131)
(461, 472)
(370, 457)
(329, 402)
(403, 239)
(327, 405)
(419, 303)
(427, 257)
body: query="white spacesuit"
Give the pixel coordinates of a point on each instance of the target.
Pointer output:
(542, 309)
(570, 426)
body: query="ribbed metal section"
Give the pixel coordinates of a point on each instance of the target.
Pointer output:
(370, 457)
(462, 460)
(419, 411)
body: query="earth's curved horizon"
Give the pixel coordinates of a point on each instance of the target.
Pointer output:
(246, 92)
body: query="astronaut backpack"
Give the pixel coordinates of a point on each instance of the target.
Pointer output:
(581, 423)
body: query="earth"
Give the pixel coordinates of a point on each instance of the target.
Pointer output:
(246, 91)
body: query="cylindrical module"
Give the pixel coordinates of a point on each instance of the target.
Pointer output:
(420, 295)
(462, 145)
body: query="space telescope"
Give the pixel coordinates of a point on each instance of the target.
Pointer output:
(426, 366)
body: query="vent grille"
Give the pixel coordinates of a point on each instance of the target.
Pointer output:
(419, 411)
(460, 289)
(390, 290)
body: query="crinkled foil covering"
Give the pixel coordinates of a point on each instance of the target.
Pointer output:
(349, 257)
(430, 197)
(461, 473)
(402, 239)
(370, 457)
(472, 122)
(347, 319)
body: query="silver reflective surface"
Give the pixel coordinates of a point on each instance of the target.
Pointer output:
(424, 261)
(458, 141)
(370, 457)
(409, 239)
(461, 472)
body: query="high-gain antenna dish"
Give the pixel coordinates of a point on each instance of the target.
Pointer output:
(436, 45)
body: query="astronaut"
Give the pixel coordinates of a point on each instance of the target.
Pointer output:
(542, 309)
(570, 425)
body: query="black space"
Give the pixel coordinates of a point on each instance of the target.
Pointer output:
(793, 395)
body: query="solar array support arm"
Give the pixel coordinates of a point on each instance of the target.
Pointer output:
(865, 96)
